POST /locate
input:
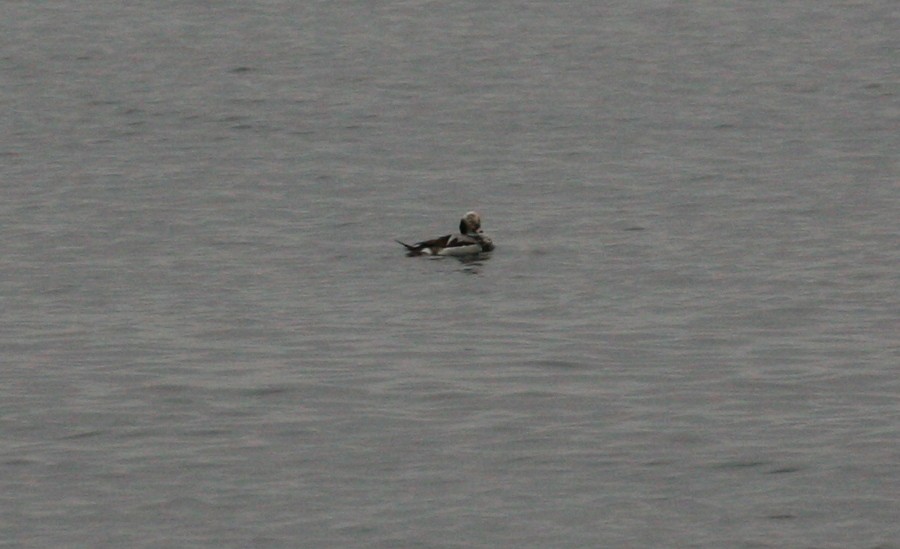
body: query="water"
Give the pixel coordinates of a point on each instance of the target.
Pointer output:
(687, 336)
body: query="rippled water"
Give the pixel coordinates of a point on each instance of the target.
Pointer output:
(687, 336)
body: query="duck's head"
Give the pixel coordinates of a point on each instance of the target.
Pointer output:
(470, 224)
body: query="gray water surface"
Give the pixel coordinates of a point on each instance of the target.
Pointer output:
(686, 337)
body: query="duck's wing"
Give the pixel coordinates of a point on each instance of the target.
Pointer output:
(427, 246)
(461, 244)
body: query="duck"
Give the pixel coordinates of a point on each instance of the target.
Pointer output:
(470, 240)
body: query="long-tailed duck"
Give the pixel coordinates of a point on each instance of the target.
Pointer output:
(471, 240)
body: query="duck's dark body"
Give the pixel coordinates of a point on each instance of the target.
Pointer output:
(471, 240)
(459, 244)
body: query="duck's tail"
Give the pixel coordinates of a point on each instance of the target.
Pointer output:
(412, 250)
